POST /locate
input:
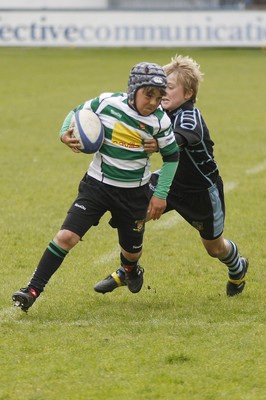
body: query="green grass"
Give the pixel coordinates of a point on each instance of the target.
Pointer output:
(180, 337)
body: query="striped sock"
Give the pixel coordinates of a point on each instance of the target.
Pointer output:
(233, 262)
(57, 250)
(49, 263)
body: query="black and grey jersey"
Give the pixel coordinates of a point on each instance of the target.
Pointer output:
(197, 168)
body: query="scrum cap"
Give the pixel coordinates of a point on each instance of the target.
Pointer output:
(145, 74)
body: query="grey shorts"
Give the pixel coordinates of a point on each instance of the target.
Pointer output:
(204, 210)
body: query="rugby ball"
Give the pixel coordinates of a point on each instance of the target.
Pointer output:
(88, 129)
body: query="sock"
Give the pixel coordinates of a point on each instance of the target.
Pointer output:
(126, 264)
(121, 271)
(233, 262)
(49, 263)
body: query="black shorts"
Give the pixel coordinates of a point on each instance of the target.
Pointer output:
(204, 210)
(128, 208)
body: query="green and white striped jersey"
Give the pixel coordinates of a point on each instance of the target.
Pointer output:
(121, 160)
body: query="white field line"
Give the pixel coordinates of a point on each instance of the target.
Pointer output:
(229, 186)
(163, 322)
(257, 169)
(106, 258)
(9, 314)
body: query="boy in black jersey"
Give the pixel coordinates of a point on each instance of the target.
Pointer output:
(197, 189)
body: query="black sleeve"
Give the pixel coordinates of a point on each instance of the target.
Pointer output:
(189, 128)
(171, 157)
(181, 140)
(186, 137)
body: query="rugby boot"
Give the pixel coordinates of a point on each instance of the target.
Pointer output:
(134, 277)
(24, 298)
(236, 286)
(111, 282)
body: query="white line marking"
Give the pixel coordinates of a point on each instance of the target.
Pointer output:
(106, 258)
(165, 222)
(8, 314)
(96, 322)
(257, 169)
(228, 186)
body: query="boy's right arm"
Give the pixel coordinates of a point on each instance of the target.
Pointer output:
(66, 134)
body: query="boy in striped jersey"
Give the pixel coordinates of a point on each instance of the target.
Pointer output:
(197, 189)
(117, 179)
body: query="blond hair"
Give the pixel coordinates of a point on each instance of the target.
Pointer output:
(187, 72)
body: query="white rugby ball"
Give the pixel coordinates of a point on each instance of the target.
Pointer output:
(88, 129)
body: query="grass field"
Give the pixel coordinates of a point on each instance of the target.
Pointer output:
(180, 337)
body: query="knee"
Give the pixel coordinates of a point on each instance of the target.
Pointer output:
(216, 248)
(66, 239)
(214, 252)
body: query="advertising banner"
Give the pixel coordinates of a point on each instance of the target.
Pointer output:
(133, 29)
